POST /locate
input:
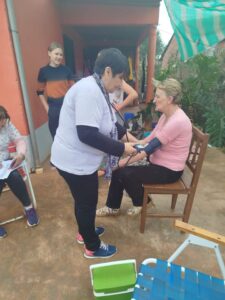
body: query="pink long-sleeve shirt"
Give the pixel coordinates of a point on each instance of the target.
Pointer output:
(9, 134)
(175, 135)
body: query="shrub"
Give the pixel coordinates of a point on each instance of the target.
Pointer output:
(203, 83)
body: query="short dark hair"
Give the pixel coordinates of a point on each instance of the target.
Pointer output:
(113, 58)
(4, 114)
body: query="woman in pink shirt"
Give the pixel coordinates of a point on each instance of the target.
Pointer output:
(166, 150)
(9, 134)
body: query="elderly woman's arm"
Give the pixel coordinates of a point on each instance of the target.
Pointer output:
(21, 146)
(18, 140)
(130, 160)
(146, 151)
(21, 151)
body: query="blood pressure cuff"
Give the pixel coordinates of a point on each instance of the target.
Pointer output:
(152, 146)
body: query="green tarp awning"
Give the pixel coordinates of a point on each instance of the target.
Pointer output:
(197, 25)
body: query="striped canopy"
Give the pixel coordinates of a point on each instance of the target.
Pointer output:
(197, 25)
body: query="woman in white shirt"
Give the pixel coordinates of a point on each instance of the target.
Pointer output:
(9, 134)
(87, 131)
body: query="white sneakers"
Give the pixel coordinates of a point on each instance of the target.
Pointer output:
(107, 211)
(134, 211)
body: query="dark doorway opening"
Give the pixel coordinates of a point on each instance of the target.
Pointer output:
(69, 53)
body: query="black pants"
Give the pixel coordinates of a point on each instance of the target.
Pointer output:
(85, 194)
(132, 178)
(53, 115)
(17, 186)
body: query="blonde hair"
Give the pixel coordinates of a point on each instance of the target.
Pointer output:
(172, 87)
(54, 45)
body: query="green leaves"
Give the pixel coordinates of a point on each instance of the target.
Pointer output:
(215, 125)
(203, 85)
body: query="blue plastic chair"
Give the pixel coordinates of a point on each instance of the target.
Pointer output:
(164, 280)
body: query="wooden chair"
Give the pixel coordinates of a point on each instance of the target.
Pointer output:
(185, 185)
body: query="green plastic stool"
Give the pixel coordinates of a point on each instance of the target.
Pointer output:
(113, 280)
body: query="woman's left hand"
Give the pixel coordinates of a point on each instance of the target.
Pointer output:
(18, 159)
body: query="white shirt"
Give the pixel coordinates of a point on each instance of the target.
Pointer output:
(116, 97)
(8, 133)
(84, 104)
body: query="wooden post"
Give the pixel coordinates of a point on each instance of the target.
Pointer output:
(78, 55)
(151, 62)
(137, 62)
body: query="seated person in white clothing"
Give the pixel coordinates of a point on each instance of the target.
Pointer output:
(118, 101)
(117, 98)
(9, 134)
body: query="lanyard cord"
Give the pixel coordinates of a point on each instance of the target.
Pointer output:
(122, 118)
(104, 92)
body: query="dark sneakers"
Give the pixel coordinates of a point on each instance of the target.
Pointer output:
(99, 231)
(32, 217)
(3, 232)
(104, 251)
(32, 220)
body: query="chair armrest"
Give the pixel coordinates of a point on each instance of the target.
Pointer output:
(208, 235)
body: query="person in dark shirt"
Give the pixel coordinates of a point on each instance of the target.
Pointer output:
(54, 80)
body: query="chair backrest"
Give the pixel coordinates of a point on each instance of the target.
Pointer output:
(196, 154)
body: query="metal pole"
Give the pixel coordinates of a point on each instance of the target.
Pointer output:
(19, 60)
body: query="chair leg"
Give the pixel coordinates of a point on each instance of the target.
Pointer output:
(174, 201)
(144, 212)
(188, 207)
(33, 199)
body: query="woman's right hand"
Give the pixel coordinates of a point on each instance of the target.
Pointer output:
(129, 149)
